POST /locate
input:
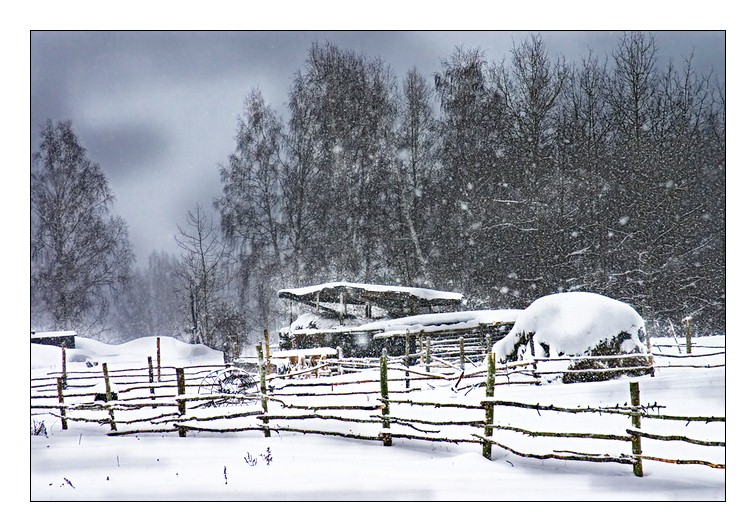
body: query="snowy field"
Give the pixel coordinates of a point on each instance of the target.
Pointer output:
(84, 464)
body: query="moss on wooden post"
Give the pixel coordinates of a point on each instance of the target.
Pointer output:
(263, 389)
(489, 408)
(387, 440)
(108, 395)
(181, 384)
(636, 421)
(64, 421)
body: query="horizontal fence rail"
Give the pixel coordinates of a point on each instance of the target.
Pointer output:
(369, 399)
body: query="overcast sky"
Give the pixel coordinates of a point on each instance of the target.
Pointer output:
(158, 110)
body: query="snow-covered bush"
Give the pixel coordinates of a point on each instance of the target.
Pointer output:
(572, 328)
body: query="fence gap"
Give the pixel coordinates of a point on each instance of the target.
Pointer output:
(636, 421)
(181, 384)
(387, 441)
(108, 395)
(263, 389)
(63, 419)
(151, 376)
(489, 407)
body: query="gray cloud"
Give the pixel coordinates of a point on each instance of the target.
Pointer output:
(158, 110)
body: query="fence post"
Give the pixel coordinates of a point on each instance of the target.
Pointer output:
(636, 421)
(462, 353)
(489, 408)
(63, 419)
(267, 351)
(151, 375)
(63, 367)
(427, 353)
(263, 389)
(688, 340)
(181, 383)
(158, 357)
(340, 354)
(407, 359)
(387, 441)
(108, 395)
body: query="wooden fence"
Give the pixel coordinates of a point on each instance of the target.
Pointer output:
(366, 399)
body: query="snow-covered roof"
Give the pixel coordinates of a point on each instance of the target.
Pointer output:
(421, 323)
(359, 293)
(52, 334)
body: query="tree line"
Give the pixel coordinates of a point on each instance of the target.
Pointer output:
(504, 180)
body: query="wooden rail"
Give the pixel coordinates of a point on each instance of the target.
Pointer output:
(278, 406)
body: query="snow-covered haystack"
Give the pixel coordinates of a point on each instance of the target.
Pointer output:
(580, 325)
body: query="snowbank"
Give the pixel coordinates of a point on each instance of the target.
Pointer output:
(172, 353)
(573, 323)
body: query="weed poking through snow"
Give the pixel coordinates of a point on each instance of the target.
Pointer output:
(252, 460)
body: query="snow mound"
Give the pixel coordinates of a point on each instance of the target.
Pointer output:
(172, 353)
(573, 323)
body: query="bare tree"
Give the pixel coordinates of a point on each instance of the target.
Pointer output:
(202, 261)
(80, 252)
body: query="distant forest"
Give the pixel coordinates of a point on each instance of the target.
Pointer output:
(504, 179)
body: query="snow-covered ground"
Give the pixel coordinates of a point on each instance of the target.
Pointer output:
(83, 463)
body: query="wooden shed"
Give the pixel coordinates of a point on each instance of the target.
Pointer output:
(65, 339)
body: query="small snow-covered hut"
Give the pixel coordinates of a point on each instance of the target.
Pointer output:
(583, 332)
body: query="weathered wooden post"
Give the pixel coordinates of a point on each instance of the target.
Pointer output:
(151, 376)
(489, 408)
(63, 367)
(263, 389)
(533, 357)
(267, 351)
(407, 359)
(688, 340)
(427, 353)
(636, 421)
(181, 384)
(385, 411)
(462, 353)
(64, 421)
(340, 355)
(108, 395)
(158, 357)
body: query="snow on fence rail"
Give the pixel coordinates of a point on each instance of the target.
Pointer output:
(377, 403)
